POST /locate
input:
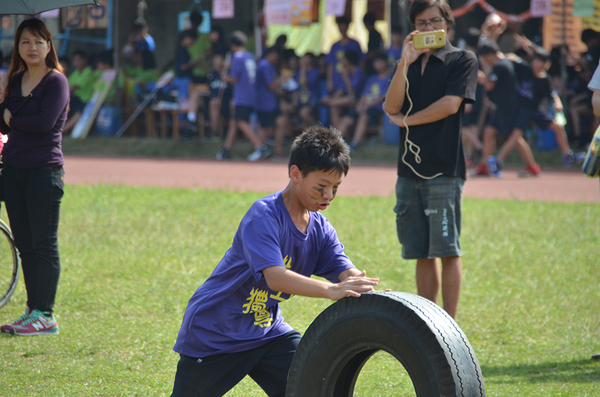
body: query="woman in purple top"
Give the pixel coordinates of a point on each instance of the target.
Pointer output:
(34, 111)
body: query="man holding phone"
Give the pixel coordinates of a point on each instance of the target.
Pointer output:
(431, 164)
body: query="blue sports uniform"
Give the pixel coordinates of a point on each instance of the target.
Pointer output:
(335, 57)
(234, 310)
(243, 68)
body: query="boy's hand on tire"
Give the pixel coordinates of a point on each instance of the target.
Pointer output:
(353, 286)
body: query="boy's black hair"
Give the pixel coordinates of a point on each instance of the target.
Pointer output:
(472, 37)
(80, 53)
(196, 18)
(352, 57)
(320, 149)
(139, 25)
(219, 30)
(65, 60)
(396, 30)
(342, 20)
(369, 19)
(269, 50)
(280, 40)
(106, 57)
(541, 54)
(589, 35)
(288, 54)
(488, 47)
(380, 56)
(188, 33)
(238, 39)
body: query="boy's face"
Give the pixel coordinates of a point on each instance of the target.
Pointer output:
(103, 66)
(187, 41)
(306, 61)
(538, 65)
(218, 63)
(343, 27)
(489, 59)
(214, 36)
(380, 65)
(79, 62)
(317, 189)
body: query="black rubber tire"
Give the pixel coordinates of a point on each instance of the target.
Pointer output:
(419, 334)
(9, 258)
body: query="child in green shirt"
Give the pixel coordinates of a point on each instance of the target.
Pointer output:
(81, 86)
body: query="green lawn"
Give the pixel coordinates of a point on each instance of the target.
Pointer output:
(132, 257)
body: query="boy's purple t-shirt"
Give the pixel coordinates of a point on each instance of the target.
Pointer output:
(394, 54)
(309, 93)
(376, 87)
(243, 68)
(357, 81)
(36, 127)
(266, 100)
(335, 57)
(234, 310)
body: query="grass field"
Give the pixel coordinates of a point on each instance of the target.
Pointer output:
(132, 257)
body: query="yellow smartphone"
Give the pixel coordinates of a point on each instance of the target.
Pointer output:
(432, 39)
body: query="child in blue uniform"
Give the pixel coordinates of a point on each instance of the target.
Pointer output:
(233, 326)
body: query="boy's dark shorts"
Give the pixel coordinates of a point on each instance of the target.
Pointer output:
(267, 119)
(471, 118)
(429, 216)
(243, 112)
(541, 118)
(504, 123)
(267, 365)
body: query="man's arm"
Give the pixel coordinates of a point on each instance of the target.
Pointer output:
(396, 92)
(596, 102)
(329, 77)
(353, 283)
(277, 82)
(440, 109)
(558, 106)
(594, 85)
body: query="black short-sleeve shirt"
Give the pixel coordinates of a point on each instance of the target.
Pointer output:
(182, 57)
(505, 92)
(532, 89)
(449, 71)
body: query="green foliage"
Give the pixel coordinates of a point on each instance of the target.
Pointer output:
(132, 257)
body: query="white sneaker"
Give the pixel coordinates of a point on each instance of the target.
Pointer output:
(259, 153)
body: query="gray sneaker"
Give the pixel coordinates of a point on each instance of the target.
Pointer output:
(223, 154)
(259, 153)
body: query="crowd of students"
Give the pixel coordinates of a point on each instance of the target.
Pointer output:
(271, 98)
(345, 88)
(521, 88)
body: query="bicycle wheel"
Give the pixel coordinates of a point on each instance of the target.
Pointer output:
(9, 264)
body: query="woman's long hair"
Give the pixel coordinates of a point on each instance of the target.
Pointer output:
(39, 29)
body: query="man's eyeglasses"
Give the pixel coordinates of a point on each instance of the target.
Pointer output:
(434, 22)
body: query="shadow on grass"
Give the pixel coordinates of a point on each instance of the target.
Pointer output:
(581, 371)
